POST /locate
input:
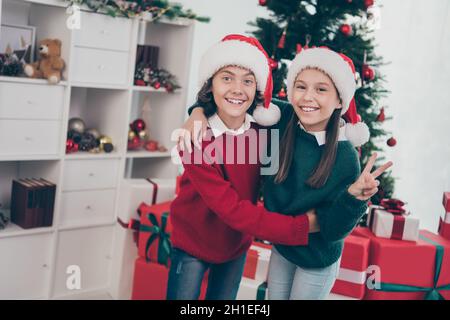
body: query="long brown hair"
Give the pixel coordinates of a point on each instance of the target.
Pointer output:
(323, 170)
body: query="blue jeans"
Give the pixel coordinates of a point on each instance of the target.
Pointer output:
(186, 274)
(287, 281)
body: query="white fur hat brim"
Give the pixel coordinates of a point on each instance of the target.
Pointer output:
(234, 52)
(358, 133)
(267, 116)
(332, 64)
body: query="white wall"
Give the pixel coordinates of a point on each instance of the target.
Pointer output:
(415, 38)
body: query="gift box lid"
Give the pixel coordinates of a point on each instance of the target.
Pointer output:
(355, 255)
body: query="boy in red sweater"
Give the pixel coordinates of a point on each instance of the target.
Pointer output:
(215, 215)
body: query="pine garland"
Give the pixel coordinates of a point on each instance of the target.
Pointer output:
(150, 10)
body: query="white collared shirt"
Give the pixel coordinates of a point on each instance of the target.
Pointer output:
(320, 135)
(218, 127)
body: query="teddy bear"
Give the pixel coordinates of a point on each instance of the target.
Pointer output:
(50, 63)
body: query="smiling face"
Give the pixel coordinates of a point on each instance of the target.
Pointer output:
(233, 89)
(314, 99)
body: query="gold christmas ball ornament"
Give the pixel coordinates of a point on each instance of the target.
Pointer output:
(142, 134)
(77, 125)
(131, 134)
(105, 140)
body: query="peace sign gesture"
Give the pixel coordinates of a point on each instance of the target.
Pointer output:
(366, 185)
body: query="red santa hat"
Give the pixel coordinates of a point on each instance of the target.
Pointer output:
(341, 70)
(248, 53)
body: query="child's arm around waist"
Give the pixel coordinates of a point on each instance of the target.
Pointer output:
(242, 215)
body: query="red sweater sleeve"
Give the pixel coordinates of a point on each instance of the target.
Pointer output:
(242, 215)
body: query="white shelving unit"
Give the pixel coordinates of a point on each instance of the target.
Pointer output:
(98, 87)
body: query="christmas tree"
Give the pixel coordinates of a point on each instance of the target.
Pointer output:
(345, 26)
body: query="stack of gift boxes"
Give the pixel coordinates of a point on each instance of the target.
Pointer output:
(253, 284)
(151, 268)
(392, 259)
(133, 193)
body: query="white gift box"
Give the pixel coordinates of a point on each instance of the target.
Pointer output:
(383, 224)
(135, 191)
(248, 289)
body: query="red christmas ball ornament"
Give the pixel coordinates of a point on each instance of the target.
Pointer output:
(368, 3)
(69, 145)
(381, 117)
(346, 29)
(157, 85)
(391, 142)
(282, 94)
(273, 64)
(368, 73)
(134, 143)
(138, 125)
(262, 2)
(349, 1)
(136, 140)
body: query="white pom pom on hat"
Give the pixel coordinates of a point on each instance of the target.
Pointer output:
(247, 52)
(341, 70)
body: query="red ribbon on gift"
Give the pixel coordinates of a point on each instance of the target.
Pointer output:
(155, 190)
(395, 207)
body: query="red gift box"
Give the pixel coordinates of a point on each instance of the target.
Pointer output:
(257, 261)
(154, 232)
(444, 226)
(407, 270)
(150, 281)
(446, 201)
(351, 280)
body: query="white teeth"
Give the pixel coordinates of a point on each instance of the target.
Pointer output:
(235, 101)
(308, 109)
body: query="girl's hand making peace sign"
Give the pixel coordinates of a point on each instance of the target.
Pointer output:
(366, 185)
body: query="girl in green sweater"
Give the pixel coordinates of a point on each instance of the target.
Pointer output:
(319, 169)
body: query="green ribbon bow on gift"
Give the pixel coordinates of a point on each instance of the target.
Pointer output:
(158, 232)
(432, 293)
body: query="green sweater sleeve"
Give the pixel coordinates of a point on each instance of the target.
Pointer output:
(338, 217)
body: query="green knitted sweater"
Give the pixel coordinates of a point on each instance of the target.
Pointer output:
(338, 211)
